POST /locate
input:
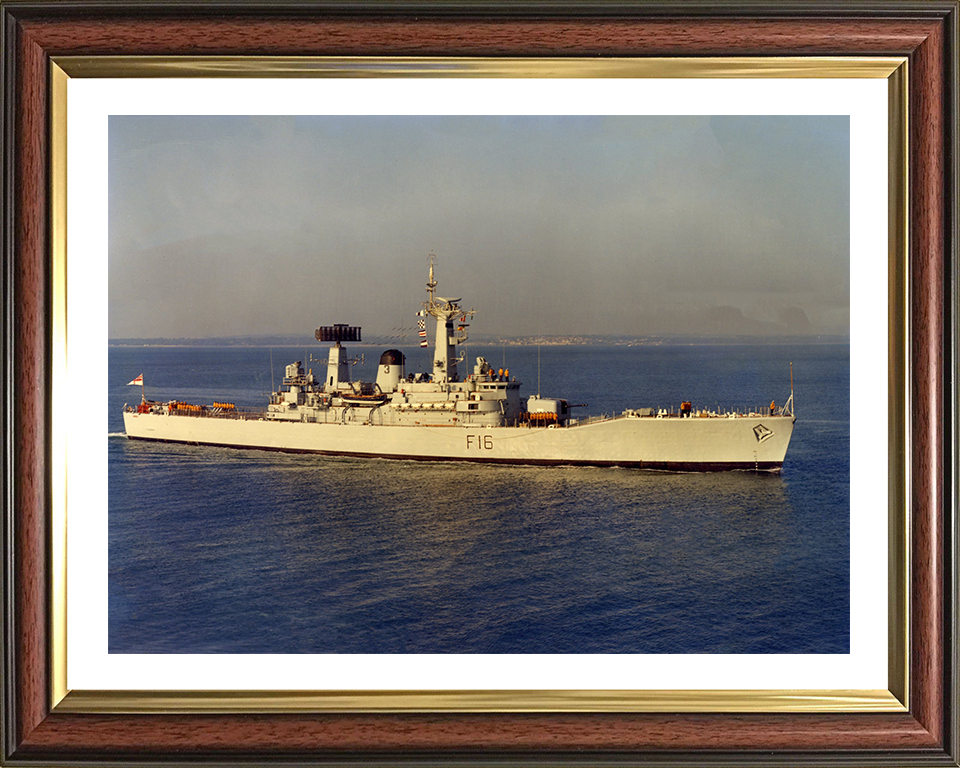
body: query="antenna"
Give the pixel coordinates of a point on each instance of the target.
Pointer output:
(793, 408)
(337, 333)
(538, 371)
(432, 283)
(273, 386)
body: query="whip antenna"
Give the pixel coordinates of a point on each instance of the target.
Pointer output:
(792, 406)
(538, 371)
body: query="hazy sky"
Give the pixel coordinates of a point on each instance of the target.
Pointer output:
(555, 225)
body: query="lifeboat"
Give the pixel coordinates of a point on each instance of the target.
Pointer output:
(364, 400)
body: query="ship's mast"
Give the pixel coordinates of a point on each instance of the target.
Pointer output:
(449, 332)
(431, 282)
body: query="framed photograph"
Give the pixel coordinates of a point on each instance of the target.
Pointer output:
(170, 599)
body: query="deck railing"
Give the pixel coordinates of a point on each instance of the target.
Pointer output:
(213, 413)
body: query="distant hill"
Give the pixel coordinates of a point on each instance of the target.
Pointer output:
(373, 340)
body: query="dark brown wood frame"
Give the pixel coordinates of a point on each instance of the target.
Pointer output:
(925, 32)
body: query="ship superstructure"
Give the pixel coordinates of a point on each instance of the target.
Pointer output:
(441, 415)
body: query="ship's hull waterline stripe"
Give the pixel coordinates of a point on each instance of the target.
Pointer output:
(668, 466)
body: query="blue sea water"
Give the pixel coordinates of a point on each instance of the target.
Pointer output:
(232, 551)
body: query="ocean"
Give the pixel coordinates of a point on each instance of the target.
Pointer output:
(216, 550)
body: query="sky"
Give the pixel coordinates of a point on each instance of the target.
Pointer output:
(557, 225)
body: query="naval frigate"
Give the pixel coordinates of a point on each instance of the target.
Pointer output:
(441, 415)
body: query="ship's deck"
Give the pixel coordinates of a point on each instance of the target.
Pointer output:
(238, 414)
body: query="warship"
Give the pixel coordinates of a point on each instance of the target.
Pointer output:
(441, 415)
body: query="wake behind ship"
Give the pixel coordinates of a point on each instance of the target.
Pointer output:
(440, 415)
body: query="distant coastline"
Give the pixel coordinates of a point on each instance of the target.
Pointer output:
(583, 340)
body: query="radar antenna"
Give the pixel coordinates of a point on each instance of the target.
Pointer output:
(337, 333)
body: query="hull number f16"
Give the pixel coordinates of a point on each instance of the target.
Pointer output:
(480, 442)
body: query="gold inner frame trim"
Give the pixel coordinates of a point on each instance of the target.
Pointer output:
(231, 702)
(893, 69)
(58, 388)
(898, 383)
(440, 67)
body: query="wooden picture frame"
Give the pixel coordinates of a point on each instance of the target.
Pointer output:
(36, 732)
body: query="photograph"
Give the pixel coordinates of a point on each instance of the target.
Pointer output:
(453, 384)
(479, 384)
